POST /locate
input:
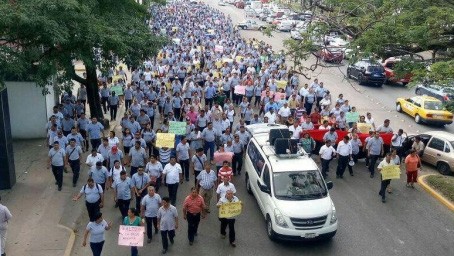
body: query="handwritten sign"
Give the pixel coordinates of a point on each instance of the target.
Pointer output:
(281, 84)
(165, 140)
(230, 210)
(219, 48)
(239, 58)
(178, 128)
(363, 127)
(220, 157)
(279, 96)
(264, 94)
(240, 89)
(131, 235)
(117, 89)
(390, 172)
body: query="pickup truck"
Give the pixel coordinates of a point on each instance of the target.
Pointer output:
(251, 25)
(388, 64)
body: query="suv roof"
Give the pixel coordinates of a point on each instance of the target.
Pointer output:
(263, 128)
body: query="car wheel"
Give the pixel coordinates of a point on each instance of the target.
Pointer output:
(360, 79)
(269, 229)
(248, 185)
(417, 119)
(349, 74)
(399, 108)
(418, 91)
(443, 168)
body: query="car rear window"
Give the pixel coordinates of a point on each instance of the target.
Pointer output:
(433, 105)
(375, 69)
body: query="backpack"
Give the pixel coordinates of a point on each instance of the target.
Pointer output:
(96, 186)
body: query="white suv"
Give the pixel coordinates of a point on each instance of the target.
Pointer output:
(289, 189)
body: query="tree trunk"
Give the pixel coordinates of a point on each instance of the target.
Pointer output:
(93, 93)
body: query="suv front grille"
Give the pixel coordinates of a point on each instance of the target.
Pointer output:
(310, 223)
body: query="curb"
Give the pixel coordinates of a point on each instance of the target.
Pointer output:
(71, 240)
(434, 193)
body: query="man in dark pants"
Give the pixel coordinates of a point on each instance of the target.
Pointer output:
(73, 155)
(344, 154)
(167, 223)
(172, 175)
(374, 151)
(114, 102)
(326, 154)
(140, 182)
(384, 183)
(123, 189)
(105, 93)
(237, 161)
(94, 197)
(193, 207)
(230, 222)
(149, 210)
(57, 162)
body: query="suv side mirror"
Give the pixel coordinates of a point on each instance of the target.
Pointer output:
(329, 184)
(263, 188)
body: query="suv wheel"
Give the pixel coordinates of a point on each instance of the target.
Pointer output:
(360, 78)
(443, 168)
(269, 229)
(248, 185)
(417, 119)
(349, 75)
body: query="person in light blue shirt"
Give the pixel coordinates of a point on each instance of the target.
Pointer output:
(57, 161)
(149, 208)
(123, 190)
(67, 123)
(95, 132)
(77, 137)
(210, 91)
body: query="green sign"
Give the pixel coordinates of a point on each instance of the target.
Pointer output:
(178, 128)
(117, 89)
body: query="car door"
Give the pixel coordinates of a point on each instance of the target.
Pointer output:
(434, 150)
(408, 106)
(265, 180)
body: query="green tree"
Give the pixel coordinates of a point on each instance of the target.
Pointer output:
(41, 39)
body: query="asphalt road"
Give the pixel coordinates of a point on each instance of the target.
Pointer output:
(410, 223)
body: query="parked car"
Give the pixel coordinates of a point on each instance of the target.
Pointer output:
(367, 72)
(331, 54)
(388, 64)
(239, 4)
(285, 25)
(251, 25)
(297, 31)
(222, 3)
(425, 109)
(440, 92)
(438, 151)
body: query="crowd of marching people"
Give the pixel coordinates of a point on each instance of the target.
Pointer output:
(217, 83)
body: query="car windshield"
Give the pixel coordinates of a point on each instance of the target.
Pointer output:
(433, 105)
(375, 69)
(300, 185)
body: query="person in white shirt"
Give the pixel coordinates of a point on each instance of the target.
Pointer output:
(225, 186)
(296, 131)
(370, 120)
(397, 140)
(271, 116)
(172, 175)
(93, 158)
(326, 154)
(284, 112)
(344, 154)
(325, 126)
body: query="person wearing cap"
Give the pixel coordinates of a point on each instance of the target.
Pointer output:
(140, 182)
(73, 155)
(95, 131)
(57, 161)
(114, 154)
(123, 189)
(344, 154)
(94, 197)
(183, 156)
(114, 102)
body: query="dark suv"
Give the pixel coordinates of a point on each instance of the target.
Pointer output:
(367, 72)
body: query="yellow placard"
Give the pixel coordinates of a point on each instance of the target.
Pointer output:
(238, 58)
(217, 74)
(390, 172)
(174, 29)
(229, 210)
(281, 84)
(165, 140)
(363, 127)
(218, 64)
(116, 78)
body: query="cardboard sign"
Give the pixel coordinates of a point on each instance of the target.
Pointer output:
(117, 89)
(279, 96)
(230, 210)
(364, 128)
(390, 172)
(240, 89)
(219, 48)
(281, 84)
(165, 140)
(131, 235)
(220, 157)
(178, 128)
(264, 94)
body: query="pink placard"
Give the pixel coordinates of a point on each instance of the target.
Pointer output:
(278, 96)
(220, 157)
(240, 89)
(264, 94)
(131, 235)
(219, 48)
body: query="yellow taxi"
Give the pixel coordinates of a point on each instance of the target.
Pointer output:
(424, 109)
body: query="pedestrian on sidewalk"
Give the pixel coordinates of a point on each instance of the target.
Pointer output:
(167, 223)
(207, 180)
(5, 216)
(193, 209)
(73, 155)
(384, 183)
(149, 210)
(230, 222)
(172, 175)
(140, 182)
(96, 229)
(123, 189)
(57, 162)
(94, 197)
(133, 220)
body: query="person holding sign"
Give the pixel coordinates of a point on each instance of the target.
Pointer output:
(133, 220)
(230, 222)
(385, 182)
(96, 229)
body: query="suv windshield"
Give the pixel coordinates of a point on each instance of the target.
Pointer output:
(301, 185)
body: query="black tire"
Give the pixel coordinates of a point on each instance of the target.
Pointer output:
(269, 229)
(417, 119)
(360, 79)
(248, 185)
(349, 75)
(398, 108)
(443, 168)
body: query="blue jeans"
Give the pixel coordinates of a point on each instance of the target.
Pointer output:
(209, 146)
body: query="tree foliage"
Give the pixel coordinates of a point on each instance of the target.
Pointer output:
(41, 39)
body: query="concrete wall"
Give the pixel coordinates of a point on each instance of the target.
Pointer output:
(29, 109)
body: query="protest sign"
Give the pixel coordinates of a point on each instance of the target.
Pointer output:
(165, 140)
(131, 235)
(264, 94)
(229, 210)
(219, 48)
(390, 172)
(178, 128)
(117, 89)
(220, 157)
(281, 84)
(363, 127)
(279, 96)
(240, 89)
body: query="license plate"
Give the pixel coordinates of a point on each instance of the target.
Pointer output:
(310, 235)
(437, 116)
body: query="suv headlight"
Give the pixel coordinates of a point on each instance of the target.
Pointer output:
(279, 218)
(333, 216)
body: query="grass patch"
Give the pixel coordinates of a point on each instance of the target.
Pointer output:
(442, 184)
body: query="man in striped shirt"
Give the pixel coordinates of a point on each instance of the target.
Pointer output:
(225, 171)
